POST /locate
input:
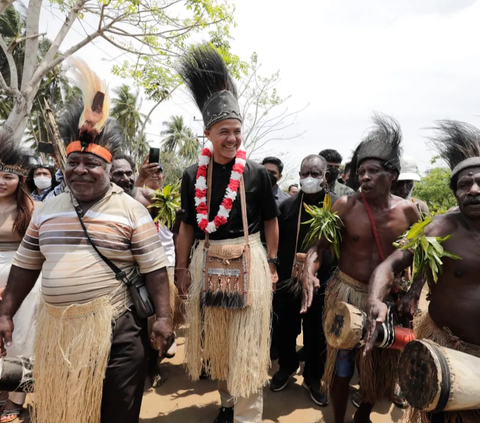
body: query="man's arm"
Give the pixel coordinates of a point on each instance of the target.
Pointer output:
(271, 237)
(314, 260)
(183, 247)
(159, 289)
(20, 283)
(145, 171)
(380, 285)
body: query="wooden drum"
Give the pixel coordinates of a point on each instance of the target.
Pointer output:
(435, 378)
(345, 328)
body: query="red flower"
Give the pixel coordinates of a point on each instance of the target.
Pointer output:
(219, 221)
(200, 193)
(227, 203)
(237, 167)
(203, 224)
(241, 154)
(202, 208)
(233, 185)
(202, 171)
(206, 152)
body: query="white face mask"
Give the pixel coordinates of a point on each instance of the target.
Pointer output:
(42, 182)
(311, 185)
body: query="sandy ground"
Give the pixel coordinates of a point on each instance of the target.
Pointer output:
(179, 400)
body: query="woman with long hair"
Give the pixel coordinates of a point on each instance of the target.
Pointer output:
(16, 207)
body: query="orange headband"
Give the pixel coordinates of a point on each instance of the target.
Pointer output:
(98, 150)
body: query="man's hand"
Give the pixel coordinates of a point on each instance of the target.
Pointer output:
(407, 306)
(376, 314)
(183, 280)
(2, 290)
(274, 275)
(162, 335)
(309, 283)
(145, 171)
(6, 330)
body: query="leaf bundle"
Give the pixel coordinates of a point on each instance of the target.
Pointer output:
(167, 201)
(324, 223)
(427, 250)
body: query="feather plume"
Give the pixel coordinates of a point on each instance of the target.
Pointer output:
(95, 99)
(456, 141)
(12, 156)
(205, 73)
(383, 142)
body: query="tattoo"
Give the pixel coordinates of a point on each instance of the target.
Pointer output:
(356, 238)
(458, 273)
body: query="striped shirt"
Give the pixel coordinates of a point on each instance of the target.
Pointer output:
(72, 271)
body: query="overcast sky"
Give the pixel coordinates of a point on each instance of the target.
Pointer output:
(416, 60)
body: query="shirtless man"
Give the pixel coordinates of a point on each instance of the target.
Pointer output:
(459, 278)
(377, 164)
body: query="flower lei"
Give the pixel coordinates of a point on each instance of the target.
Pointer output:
(230, 194)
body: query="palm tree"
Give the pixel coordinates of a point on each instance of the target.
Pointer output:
(126, 111)
(179, 137)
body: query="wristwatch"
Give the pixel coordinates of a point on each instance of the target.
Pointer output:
(274, 260)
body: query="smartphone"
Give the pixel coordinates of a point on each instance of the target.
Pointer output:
(154, 155)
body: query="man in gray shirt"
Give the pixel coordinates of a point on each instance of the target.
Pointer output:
(274, 167)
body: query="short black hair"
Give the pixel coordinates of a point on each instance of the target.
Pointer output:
(125, 157)
(275, 161)
(293, 185)
(332, 156)
(29, 181)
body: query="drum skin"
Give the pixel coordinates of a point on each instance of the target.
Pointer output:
(435, 378)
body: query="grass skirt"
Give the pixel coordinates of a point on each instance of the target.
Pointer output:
(71, 352)
(233, 345)
(425, 328)
(377, 371)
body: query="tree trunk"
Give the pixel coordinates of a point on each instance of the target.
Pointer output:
(4, 5)
(18, 118)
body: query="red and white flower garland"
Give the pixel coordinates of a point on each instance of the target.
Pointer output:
(230, 194)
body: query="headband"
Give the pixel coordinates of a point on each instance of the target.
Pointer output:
(17, 170)
(98, 150)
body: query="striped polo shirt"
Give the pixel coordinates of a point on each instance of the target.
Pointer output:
(72, 271)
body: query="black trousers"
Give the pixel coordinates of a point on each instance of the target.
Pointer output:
(126, 371)
(286, 306)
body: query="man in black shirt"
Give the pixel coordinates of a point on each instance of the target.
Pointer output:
(287, 299)
(229, 338)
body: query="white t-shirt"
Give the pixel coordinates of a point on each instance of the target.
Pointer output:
(166, 238)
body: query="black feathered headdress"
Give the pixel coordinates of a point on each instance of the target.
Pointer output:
(382, 143)
(458, 143)
(206, 75)
(13, 159)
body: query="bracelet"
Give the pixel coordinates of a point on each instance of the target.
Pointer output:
(163, 316)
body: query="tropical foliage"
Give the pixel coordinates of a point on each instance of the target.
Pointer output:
(324, 223)
(427, 250)
(435, 191)
(54, 87)
(167, 202)
(179, 138)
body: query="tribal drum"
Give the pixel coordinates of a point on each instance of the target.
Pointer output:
(435, 378)
(345, 328)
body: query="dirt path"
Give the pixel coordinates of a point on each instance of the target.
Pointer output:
(179, 400)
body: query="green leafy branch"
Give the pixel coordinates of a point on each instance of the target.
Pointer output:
(427, 250)
(167, 201)
(324, 223)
